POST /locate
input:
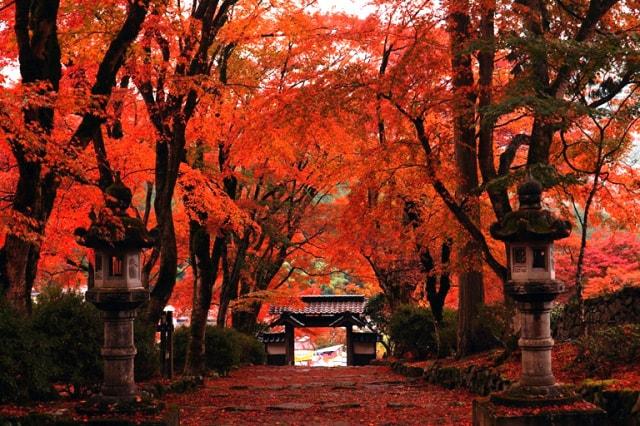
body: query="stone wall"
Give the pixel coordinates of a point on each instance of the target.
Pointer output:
(481, 380)
(620, 307)
(622, 405)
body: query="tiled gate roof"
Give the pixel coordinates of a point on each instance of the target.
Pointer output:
(325, 305)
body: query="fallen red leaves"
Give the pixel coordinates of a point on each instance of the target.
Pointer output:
(533, 411)
(342, 395)
(564, 368)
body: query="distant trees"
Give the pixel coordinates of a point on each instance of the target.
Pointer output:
(277, 149)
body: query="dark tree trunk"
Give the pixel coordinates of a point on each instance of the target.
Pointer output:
(205, 262)
(436, 295)
(170, 113)
(205, 270)
(39, 57)
(169, 155)
(470, 280)
(231, 277)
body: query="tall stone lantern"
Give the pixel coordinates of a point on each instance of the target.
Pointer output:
(117, 241)
(529, 234)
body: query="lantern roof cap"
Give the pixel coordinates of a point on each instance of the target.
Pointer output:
(112, 228)
(530, 194)
(530, 222)
(118, 196)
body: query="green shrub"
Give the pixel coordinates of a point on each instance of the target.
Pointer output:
(61, 343)
(180, 346)
(222, 351)
(605, 349)
(72, 330)
(251, 350)
(147, 362)
(225, 348)
(448, 333)
(25, 368)
(413, 331)
(493, 327)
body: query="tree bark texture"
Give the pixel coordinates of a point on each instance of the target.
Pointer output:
(39, 57)
(470, 280)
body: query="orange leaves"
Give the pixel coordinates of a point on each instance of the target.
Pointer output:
(207, 203)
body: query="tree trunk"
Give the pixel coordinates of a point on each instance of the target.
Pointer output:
(169, 155)
(470, 280)
(231, 277)
(437, 295)
(39, 58)
(205, 271)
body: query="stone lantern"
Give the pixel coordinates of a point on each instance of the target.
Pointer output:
(529, 234)
(117, 241)
(536, 399)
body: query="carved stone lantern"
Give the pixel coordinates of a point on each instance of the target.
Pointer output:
(117, 241)
(529, 233)
(536, 399)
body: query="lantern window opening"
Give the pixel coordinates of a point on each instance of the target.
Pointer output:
(540, 258)
(134, 267)
(98, 262)
(116, 266)
(520, 255)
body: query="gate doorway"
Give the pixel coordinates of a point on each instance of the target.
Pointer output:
(321, 311)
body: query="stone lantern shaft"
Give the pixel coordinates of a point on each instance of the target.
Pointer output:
(117, 240)
(529, 233)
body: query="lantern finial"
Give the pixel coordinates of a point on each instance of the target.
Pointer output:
(530, 194)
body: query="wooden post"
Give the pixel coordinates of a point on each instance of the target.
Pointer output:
(349, 344)
(166, 344)
(163, 343)
(169, 354)
(290, 342)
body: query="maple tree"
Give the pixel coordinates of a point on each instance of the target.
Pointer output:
(542, 80)
(37, 151)
(277, 149)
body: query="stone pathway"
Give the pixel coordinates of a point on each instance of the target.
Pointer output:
(371, 395)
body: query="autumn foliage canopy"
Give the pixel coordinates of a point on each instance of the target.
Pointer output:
(284, 147)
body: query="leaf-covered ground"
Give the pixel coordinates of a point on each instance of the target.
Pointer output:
(372, 395)
(565, 369)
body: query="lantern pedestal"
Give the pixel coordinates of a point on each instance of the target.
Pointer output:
(579, 413)
(537, 385)
(118, 351)
(536, 399)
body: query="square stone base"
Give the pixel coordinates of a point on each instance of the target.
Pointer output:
(581, 413)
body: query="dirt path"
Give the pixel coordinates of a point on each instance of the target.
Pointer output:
(322, 396)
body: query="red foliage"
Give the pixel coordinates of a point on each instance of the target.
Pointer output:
(353, 395)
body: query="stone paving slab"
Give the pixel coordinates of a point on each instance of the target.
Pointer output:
(374, 395)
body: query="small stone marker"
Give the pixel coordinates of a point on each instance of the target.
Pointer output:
(342, 406)
(400, 405)
(345, 385)
(290, 406)
(241, 408)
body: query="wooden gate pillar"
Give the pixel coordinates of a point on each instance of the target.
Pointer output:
(349, 344)
(289, 336)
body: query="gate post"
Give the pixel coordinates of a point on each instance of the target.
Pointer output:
(349, 344)
(166, 344)
(290, 344)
